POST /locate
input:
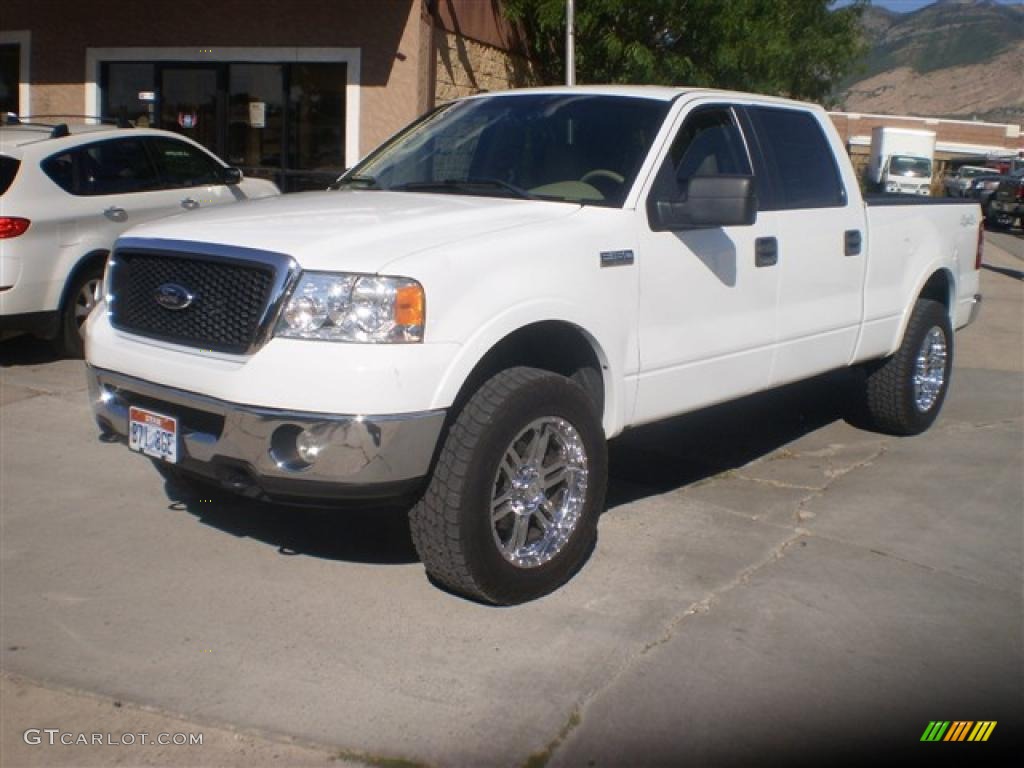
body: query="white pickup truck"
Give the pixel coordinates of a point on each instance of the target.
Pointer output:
(503, 286)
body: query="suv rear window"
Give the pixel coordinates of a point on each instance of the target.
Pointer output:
(8, 170)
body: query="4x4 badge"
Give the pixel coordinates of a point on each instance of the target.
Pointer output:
(173, 296)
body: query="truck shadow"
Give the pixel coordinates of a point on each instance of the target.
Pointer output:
(671, 454)
(644, 462)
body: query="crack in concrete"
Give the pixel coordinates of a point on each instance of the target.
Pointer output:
(705, 604)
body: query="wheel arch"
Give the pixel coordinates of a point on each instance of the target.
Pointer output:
(558, 345)
(95, 257)
(937, 284)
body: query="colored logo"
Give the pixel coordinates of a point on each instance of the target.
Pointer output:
(173, 296)
(958, 730)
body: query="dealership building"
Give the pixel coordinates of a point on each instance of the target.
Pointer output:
(294, 92)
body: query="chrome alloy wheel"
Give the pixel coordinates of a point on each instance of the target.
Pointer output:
(930, 369)
(539, 492)
(88, 297)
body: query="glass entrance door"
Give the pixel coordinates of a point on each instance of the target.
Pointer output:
(192, 104)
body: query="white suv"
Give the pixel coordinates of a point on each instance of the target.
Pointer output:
(67, 193)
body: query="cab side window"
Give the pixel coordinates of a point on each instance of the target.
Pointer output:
(799, 158)
(182, 165)
(708, 144)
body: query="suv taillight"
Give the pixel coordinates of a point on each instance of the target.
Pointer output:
(981, 247)
(1020, 191)
(12, 226)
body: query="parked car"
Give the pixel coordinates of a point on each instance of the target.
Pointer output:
(983, 187)
(1006, 205)
(957, 184)
(67, 192)
(506, 284)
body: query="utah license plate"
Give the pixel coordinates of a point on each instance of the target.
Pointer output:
(153, 434)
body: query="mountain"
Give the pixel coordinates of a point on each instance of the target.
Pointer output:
(954, 58)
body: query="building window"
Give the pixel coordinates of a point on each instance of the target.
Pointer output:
(284, 122)
(10, 77)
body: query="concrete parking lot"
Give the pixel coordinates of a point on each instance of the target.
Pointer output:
(771, 586)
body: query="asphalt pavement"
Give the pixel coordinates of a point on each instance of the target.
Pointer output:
(771, 586)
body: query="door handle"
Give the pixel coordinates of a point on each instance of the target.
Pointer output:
(852, 242)
(115, 213)
(766, 252)
(188, 203)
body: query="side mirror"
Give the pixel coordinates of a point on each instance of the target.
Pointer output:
(708, 201)
(231, 175)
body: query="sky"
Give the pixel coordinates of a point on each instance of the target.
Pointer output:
(906, 6)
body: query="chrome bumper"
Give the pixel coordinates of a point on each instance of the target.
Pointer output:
(250, 450)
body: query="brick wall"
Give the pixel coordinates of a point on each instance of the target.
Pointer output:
(391, 35)
(465, 66)
(994, 135)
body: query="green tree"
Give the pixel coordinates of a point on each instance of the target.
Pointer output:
(795, 48)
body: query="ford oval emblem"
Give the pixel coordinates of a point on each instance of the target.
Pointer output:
(173, 296)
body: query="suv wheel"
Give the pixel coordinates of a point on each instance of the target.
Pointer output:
(83, 295)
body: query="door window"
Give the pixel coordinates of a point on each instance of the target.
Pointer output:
(317, 108)
(256, 117)
(182, 165)
(120, 166)
(708, 144)
(188, 103)
(130, 93)
(799, 158)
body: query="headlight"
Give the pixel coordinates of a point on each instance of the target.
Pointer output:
(356, 308)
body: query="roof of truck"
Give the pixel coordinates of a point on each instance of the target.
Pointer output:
(657, 92)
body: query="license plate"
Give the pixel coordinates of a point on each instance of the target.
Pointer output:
(153, 434)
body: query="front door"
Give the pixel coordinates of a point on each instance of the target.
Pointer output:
(707, 296)
(192, 104)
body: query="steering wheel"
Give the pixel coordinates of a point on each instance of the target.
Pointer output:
(608, 183)
(602, 173)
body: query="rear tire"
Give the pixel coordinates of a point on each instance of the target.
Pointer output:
(83, 295)
(510, 512)
(903, 394)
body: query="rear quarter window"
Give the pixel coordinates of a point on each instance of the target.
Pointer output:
(8, 170)
(799, 158)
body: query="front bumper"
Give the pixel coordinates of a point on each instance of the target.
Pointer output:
(249, 450)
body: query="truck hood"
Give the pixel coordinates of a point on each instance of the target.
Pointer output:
(353, 230)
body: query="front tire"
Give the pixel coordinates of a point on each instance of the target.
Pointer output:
(510, 513)
(904, 393)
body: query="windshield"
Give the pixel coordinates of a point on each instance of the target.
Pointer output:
(970, 173)
(910, 166)
(580, 148)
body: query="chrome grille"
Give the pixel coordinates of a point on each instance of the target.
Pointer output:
(232, 300)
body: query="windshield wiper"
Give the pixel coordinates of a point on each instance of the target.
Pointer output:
(464, 185)
(364, 182)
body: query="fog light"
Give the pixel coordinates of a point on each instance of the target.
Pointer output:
(308, 446)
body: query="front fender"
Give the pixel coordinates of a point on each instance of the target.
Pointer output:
(500, 326)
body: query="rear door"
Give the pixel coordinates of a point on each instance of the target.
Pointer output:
(822, 243)
(113, 185)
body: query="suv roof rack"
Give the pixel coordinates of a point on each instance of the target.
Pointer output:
(59, 130)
